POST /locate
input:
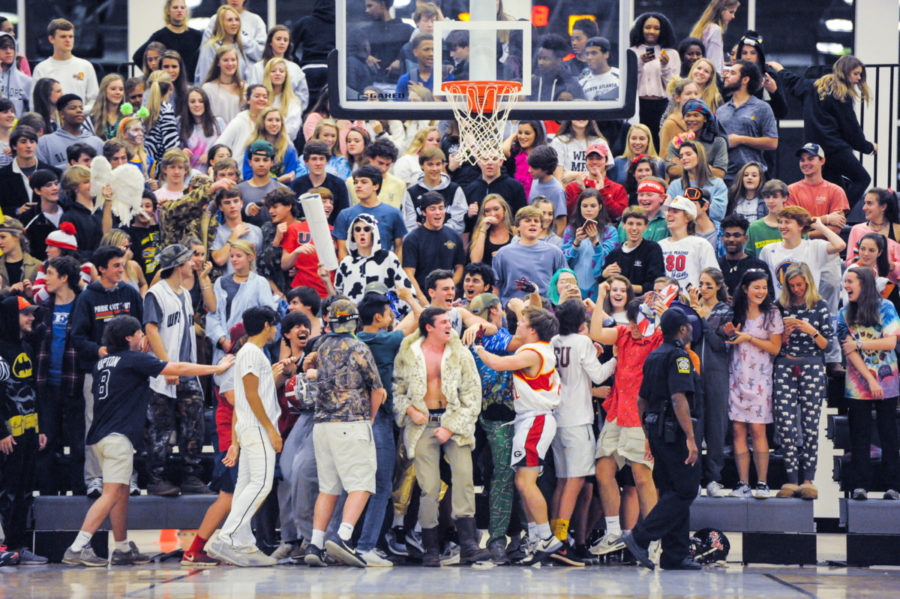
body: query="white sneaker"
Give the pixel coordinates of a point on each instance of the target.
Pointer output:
(450, 555)
(375, 559)
(715, 489)
(94, 488)
(283, 551)
(761, 491)
(544, 548)
(742, 491)
(607, 544)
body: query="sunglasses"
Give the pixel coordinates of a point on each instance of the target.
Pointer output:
(362, 229)
(693, 194)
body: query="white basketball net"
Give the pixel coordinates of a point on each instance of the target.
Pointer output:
(481, 129)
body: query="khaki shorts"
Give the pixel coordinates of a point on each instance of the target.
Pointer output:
(624, 443)
(116, 456)
(345, 456)
(573, 451)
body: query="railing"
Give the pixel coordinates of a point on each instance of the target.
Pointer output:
(880, 121)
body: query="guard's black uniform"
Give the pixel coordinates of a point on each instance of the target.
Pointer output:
(667, 370)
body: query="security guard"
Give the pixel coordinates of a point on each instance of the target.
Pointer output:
(666, 414)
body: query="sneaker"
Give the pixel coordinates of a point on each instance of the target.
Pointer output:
(523, 554)
(544, 548)
(298, 552)
(255, 559)
(314, 557)
(283, 551)
(607, 544)
(221, 551)
(413, 541)
(497, 549)
(133, 488)
(742, 491)
(7, 557)
(344, 553)
(85, 557)
(198, 559)
(892, 495)
(94, 488)
(130, 557)
(192, 485)
(654, 550)
(163, 488)
(761, 491)
(566, 555)
(450, 554)
(638, 552)
(394, 538)
(715, 489)
(582, 553)
(28, 558)
(517, 549)
(859, 494)
(376, 558)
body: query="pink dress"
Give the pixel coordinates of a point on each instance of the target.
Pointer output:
(750, 373)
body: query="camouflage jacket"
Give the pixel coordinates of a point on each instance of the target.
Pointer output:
(347, 374)
(185, 216)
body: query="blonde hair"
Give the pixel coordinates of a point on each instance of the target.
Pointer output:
(651, 149)
(187, 14)
(799, 269)
(528, 212)
(336, 148)
(102, 105)
(215, 71)
(172, 156)
(418, 141)
(74, 176)
(507, 216)
(280, 143)
(709, 93)
(287, 96)
(137, 152)
(218, 32)
(837, 83)
(245, 246)
(713, 15)
(114, 238)
(160, 85)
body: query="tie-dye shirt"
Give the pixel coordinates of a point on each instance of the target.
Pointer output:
(881, 363)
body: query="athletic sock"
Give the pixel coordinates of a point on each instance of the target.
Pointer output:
(398, 520)
(613, 526)
(123, 545)
(197, 545)
(345, 532)
(418, 527)
(543, 530)
(81, 540)
(561, 529)
(318, 538)
(532, 532)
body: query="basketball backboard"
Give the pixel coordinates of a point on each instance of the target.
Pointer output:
(531, 42)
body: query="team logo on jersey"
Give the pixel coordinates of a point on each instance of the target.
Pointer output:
(683, 365)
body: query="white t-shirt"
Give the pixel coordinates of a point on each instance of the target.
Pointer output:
(251, 360)
(577, 365)
(684, 259)
(600, 87)
(572, 153)
(812, 251)
(75, 76)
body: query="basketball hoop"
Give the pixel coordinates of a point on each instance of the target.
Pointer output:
(481, 108)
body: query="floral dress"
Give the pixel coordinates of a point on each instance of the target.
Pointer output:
(750, 373)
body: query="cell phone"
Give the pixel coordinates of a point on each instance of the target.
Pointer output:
(591, 221)
(651, 51)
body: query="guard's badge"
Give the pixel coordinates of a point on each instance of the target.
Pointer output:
(683, 365)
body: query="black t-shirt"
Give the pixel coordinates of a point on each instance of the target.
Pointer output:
(120, 391)
(14, 270)
(145, 246)
(733, 271)
(426, 250)
(641, 266)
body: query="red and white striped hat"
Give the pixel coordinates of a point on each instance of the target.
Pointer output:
(64, 237)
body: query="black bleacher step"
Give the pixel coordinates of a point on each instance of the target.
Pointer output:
(146, 512)
(838, 430)
(841, 473)
(873, 531)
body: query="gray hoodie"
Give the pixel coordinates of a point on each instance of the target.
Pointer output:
(456, 209)
(16, 85)
(52, 147)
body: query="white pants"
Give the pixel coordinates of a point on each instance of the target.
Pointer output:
(91, 462)
(256, 470)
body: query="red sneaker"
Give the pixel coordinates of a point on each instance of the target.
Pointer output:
(198, 559)
(7, 557)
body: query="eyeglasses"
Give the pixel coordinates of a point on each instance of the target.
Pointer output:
(362, 229)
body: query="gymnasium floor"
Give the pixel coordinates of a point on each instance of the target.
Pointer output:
(169, 581)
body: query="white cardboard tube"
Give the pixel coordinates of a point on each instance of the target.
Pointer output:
(318, 228)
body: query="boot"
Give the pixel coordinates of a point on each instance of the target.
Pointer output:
(469, 552)
(162, 487)
(432, 542)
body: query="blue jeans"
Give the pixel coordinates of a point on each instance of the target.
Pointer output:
(385, 454)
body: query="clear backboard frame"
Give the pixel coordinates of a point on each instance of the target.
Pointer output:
(623, 107)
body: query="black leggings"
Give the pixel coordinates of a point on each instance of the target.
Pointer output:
(650, 111)
(861, 437)
(844, 163)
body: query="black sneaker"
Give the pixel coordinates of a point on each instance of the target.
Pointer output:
(395, 541)
(581, 552)
(130, 557)
(342, 551)
(566, 555)
(859, 494)
(315, 557)
(639, 553)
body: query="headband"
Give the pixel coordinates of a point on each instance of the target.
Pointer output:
(651, 186)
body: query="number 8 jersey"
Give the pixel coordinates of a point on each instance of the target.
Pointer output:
(539, 393)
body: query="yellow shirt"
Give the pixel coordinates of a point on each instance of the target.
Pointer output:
(392, 191)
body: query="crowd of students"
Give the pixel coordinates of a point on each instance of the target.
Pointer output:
(493, 314)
